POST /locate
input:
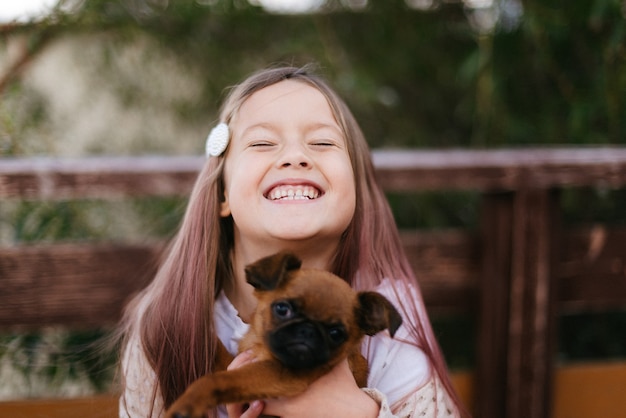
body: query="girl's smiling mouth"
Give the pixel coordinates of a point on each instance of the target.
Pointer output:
(293, 192)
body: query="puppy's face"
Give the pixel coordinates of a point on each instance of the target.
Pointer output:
(308, 318)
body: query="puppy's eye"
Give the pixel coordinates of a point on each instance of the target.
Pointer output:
(337, 334)
(283, 309)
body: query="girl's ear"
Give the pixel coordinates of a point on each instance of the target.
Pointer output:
(224, 207)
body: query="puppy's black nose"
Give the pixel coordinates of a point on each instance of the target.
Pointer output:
(307, 332)
(180, 415)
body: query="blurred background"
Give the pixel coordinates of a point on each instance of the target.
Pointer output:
(136, 77)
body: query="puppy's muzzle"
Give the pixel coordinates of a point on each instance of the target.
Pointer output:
(300, 345)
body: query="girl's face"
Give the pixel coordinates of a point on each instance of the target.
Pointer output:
(287, 173)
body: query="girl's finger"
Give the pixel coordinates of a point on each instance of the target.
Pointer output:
(241, 359)
(252, 410)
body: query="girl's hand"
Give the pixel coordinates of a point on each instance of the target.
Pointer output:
(252, 410)
(334, 395)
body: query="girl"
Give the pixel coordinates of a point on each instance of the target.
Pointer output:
(288, 169)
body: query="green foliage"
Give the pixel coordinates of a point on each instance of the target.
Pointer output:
(457, 338)
(130, 219)
(417, 78)
(55, 362)
(435, 210)
(45, 221)
(585, 337)
(560, 78)
(20, 110)
(586, 206)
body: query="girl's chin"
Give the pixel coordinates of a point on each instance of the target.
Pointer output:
(295, 237)
(302, 237)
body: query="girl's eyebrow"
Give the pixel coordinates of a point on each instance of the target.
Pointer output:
(260, 128)
(335, 131)
(322, 125)
(260, 125)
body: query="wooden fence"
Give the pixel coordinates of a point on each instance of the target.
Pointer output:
(514, 275)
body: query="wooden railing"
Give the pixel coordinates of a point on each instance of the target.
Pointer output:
(514, 275)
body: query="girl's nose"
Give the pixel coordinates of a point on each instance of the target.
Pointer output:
(296, 156)
(302, 164)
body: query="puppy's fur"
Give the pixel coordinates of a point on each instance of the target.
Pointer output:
(305, 323)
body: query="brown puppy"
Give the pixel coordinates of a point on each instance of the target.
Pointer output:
(305, 323)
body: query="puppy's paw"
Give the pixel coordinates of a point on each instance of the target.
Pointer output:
(187, 410)
(190, 405)
(195, 402)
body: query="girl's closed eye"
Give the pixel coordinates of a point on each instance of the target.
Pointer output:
(323, 142)
(262, 143)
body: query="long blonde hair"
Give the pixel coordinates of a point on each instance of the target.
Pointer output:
(177, 334)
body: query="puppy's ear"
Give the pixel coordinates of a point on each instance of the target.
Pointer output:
(375, 313)
(267, 273)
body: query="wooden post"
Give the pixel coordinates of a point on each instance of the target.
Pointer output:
(531, 319)
(493, 313)
(516, 320)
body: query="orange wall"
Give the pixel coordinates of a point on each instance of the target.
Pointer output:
(580, 391)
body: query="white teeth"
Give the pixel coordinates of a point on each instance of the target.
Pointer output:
(293, 193)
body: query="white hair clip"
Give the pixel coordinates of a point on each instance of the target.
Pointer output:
(217, 141)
